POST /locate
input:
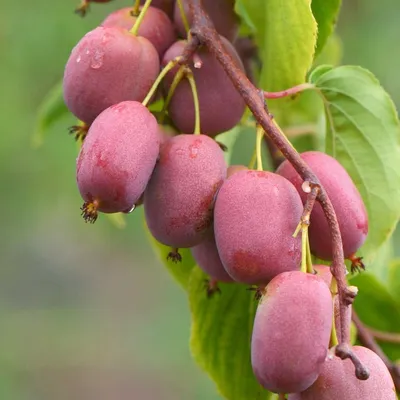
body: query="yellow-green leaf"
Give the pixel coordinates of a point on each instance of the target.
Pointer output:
(221, 335)
(179, 270)
(363, 133)
(50, 111)
(286, 33)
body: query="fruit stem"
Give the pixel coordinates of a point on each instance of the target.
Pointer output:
(304, 239)
(310, 268)
(334, 334)
(183, 15)
(288, 92)
(334, 339)
(278, 128)
(203, 33)
(253, 159)
(160, 77)
(190, 77)
(306, 264)
(366, 339)
(260, 134)
(136, 8)
(135, 28)
(177, 78)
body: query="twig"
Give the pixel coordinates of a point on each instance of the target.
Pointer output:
(313, 191)
(367, 340)
(288, 92)
(203, 30)
(389, 337)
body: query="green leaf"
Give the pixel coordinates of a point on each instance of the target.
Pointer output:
(394, 279)
(179, 270)
(286, 34)
(221, 337)
(317, 72)
(379, 267)
(377, 308)
(117, 219)
(229, 139)
(363, 134)
(51, 110)
(325, 13)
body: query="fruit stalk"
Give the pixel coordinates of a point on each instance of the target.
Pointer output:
(183, 15)
(136, 8)
(260, 134)
(203, 32)
(192, 82)
(177, 78)
(366, 339)
(135, 28)
(160, 77)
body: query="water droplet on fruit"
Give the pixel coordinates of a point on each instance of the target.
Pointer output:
(97, 59)
(78, 59)
(132, 209)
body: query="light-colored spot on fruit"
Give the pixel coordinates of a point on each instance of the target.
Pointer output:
(193, 152)
(194, 148)
(179, 152)
(78, 59)
(87, 52)
(97, 59)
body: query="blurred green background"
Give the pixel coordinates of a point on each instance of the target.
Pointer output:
(87, 312)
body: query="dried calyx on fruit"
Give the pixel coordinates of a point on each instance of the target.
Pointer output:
(82, 9)
(117, 159)
(239, 222)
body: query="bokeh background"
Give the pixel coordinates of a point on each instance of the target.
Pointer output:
(87, 312)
